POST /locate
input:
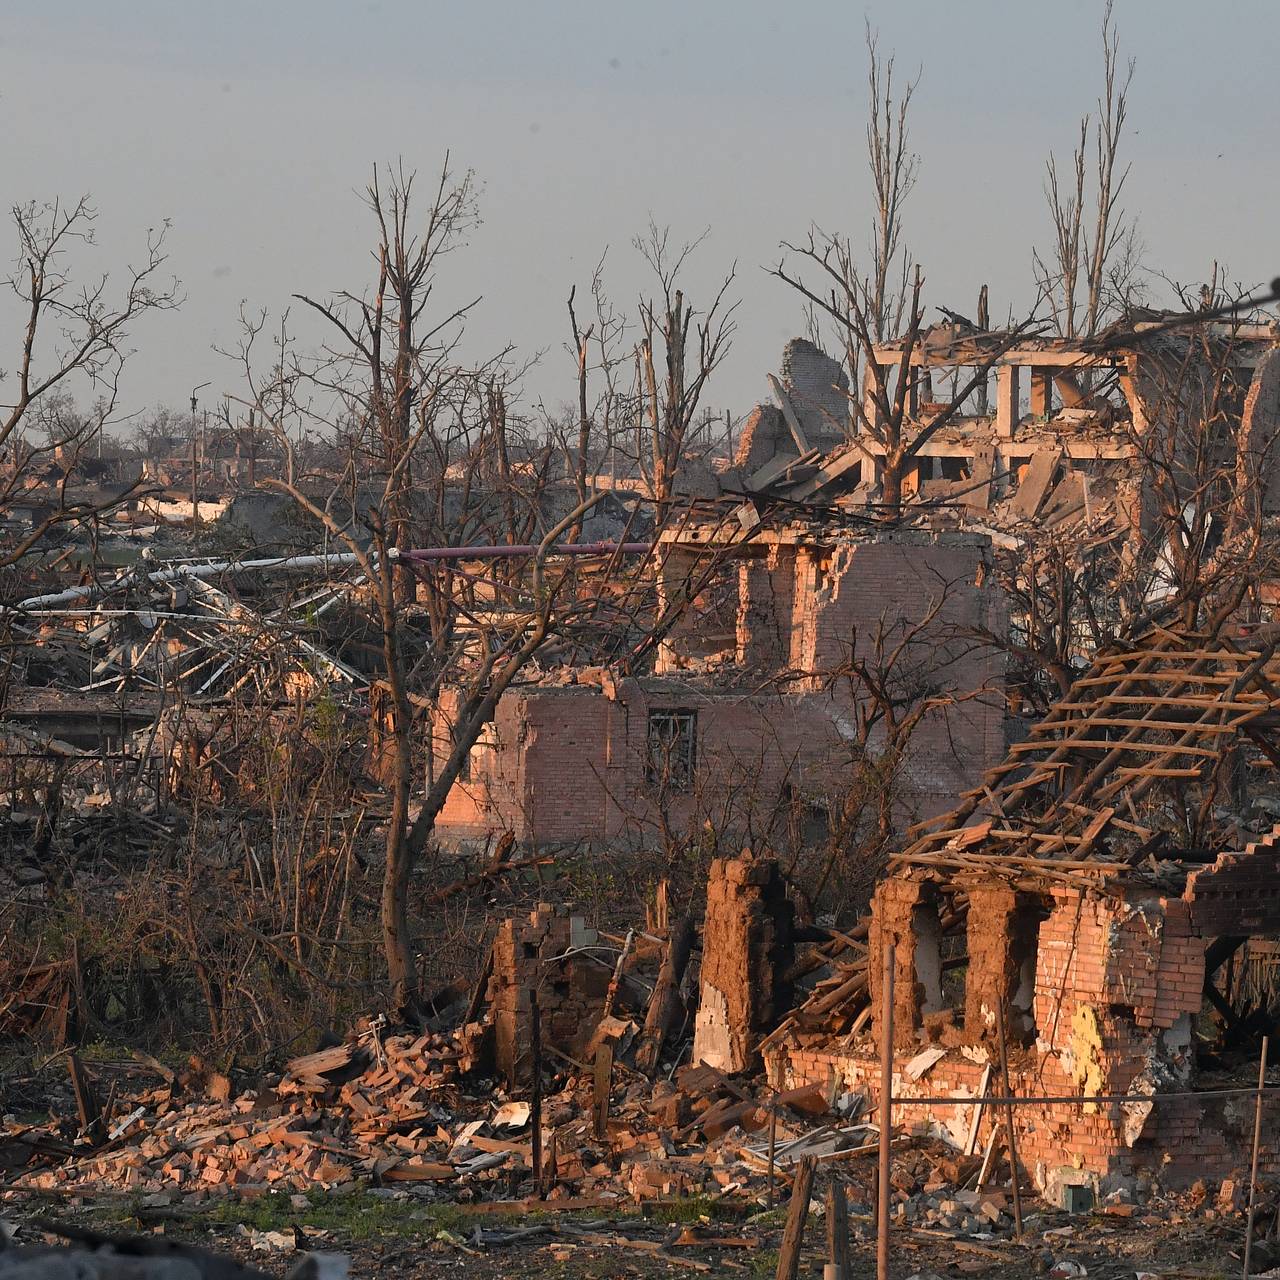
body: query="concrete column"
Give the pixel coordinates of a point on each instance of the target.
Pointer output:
(1041, 392)
(1008, 386)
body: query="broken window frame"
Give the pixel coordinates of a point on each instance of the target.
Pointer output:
(671, 748)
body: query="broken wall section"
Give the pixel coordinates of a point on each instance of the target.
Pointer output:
(747, 949)
(1118, 980)
(531, 955)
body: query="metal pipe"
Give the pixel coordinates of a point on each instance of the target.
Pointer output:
(176, 573)
(1253, 1166)
(498, 551)
(335, 561)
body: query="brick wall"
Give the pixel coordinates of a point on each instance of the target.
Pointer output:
(1117, 984)
(568, 762)
(570, 992)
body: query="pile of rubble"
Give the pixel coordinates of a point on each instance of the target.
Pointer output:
(401, 1112)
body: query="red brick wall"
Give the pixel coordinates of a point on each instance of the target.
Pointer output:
(1117, 984)
(568, 762)
(1189, 1138)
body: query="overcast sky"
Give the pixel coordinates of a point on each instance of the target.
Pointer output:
(251, 126)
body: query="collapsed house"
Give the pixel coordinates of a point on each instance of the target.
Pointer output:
(753, 696)
(1060, 446)
(1088, 895)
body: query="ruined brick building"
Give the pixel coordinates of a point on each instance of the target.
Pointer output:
(1092, 892)
(751, 711)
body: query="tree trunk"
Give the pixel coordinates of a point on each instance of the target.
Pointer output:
(396, 941)
(664, 1003)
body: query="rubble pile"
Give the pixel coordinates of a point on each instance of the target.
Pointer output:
(402, 1112)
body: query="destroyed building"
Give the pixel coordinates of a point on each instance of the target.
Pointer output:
(1058, 444)
(752, 707)
(1089, 896)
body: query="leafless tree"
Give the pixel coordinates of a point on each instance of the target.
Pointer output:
(73, 334)
(842, 293)
(428, 455)
(678, 351)
(1096, 253)
(894, 169)
(605, 407)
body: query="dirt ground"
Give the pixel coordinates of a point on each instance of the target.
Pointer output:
(404, 1238)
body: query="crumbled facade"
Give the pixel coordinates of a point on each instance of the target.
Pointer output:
(543, 956)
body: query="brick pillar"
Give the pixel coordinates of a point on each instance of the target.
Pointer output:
(893, 907)
(746, 949)
(570, 993)
(995, 958)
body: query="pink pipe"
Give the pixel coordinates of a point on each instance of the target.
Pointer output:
(499, 551)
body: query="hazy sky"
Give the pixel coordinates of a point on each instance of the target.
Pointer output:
(252, 126)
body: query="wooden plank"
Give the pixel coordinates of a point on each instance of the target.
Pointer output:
(1132, 722)
(1117, 744)
(419, 1172)
(1159, 677)
(797, 1212)
(601, 1082)
(974, 1123)
(777, 467)
(1151, 771)
(88, 1107)
(1202, 702)
(838, 463)
(995, 1144)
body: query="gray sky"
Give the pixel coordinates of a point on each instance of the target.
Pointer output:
(251, 126)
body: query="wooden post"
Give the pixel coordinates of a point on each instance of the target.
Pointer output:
(1011, 1137)
(535, 1103)
(601, 1079)
(886, 1116)
(88, 1107)
(1253, 1166)
(837, 1267)
(773, 1146)
(797, 1212)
